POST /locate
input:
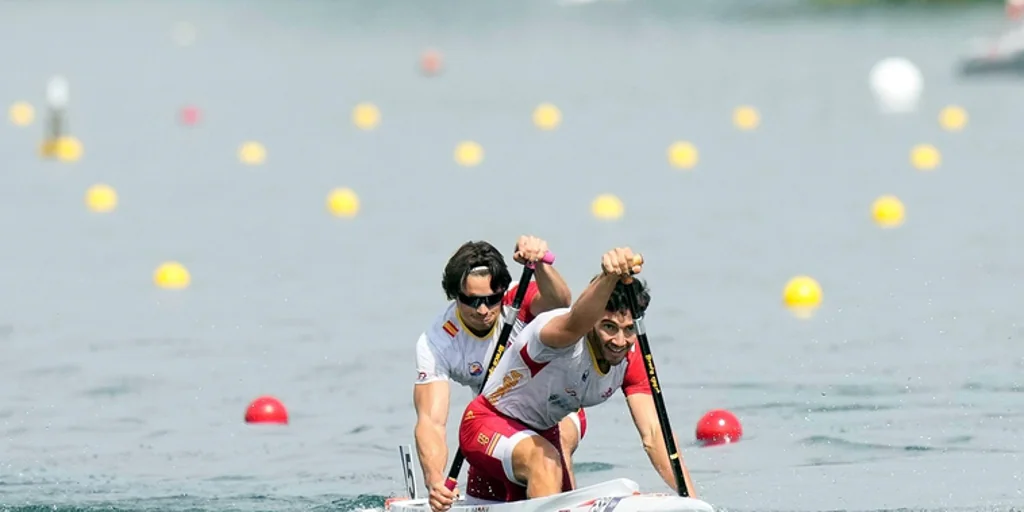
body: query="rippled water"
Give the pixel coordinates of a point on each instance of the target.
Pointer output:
(904, 391)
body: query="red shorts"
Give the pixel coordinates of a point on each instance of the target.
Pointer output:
(487, 438)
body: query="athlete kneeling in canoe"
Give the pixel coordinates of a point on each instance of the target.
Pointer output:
(460, 342)
(565, 359)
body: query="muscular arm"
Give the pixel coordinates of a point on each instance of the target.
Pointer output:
(564, 330)
(552, 290)
(431, 401)
(645, 417)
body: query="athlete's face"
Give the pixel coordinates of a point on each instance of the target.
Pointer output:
(478, 305)
(616, 334)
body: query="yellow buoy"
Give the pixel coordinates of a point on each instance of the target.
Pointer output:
(252, 153)
(802, 295)
(343, 202)
(366, 116)
(888, 211)
(172, 275)
(101, 198)
(746, 117)
(21, 114)
(68, 149)
(925, 157)
(607, 207)
(469, 154)
(547, 116)
(953, 118)
(683, 155)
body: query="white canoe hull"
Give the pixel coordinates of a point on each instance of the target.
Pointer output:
(619, 495)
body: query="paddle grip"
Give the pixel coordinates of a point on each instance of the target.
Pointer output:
(549, 258)
(638, 260)
(450, 483)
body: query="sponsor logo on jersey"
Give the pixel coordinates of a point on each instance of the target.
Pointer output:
(607, 393)
(449, 327)
(475, 368)
(558, 401)
(483, 439)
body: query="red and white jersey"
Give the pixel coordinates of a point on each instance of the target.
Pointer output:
(539, 385)
(448, 351)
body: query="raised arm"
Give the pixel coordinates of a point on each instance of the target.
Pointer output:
(645, 417)
(552, 290)
(565, 330)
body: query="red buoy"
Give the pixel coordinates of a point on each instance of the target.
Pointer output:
(430, 62)
(719, 426)
(266, 409)
(190, 116)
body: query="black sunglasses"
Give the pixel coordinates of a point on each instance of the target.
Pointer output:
(474, 301)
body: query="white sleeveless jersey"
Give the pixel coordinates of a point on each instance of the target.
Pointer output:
(539, 385)
(448, 351)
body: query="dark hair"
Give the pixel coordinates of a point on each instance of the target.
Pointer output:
(470, 256)
(619, 300)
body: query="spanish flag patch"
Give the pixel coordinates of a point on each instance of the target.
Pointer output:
(449, 327)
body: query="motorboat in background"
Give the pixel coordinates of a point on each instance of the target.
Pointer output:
(1000, 55)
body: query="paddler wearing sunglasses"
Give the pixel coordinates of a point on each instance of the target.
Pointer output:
(460, 341)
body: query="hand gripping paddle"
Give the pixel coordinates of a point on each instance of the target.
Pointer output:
(499, 349)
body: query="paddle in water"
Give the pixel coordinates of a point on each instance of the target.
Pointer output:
(499, 350)
(659, 400)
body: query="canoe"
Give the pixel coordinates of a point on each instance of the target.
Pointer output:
(618, 495)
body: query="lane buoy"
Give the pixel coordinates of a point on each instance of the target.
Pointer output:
(252, 153)
(172, 275)
(366, 116)
(718, 426)
(953, 118)
(266, 409)
(547, 117)
(925, 157)
(683, 155)
(802, 295)
(888, 211)
(101, 198)
(430, 62)
(189, 115)
(343, 202)
(469, 154)
(21, 114)
(746, 118)
(607, 207)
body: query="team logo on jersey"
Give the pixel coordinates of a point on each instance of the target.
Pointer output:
(449, 327)
(475, 368)
(508, 382)
(421, 377)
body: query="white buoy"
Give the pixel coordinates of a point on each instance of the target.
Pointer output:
(57, 92)
(896, 83)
